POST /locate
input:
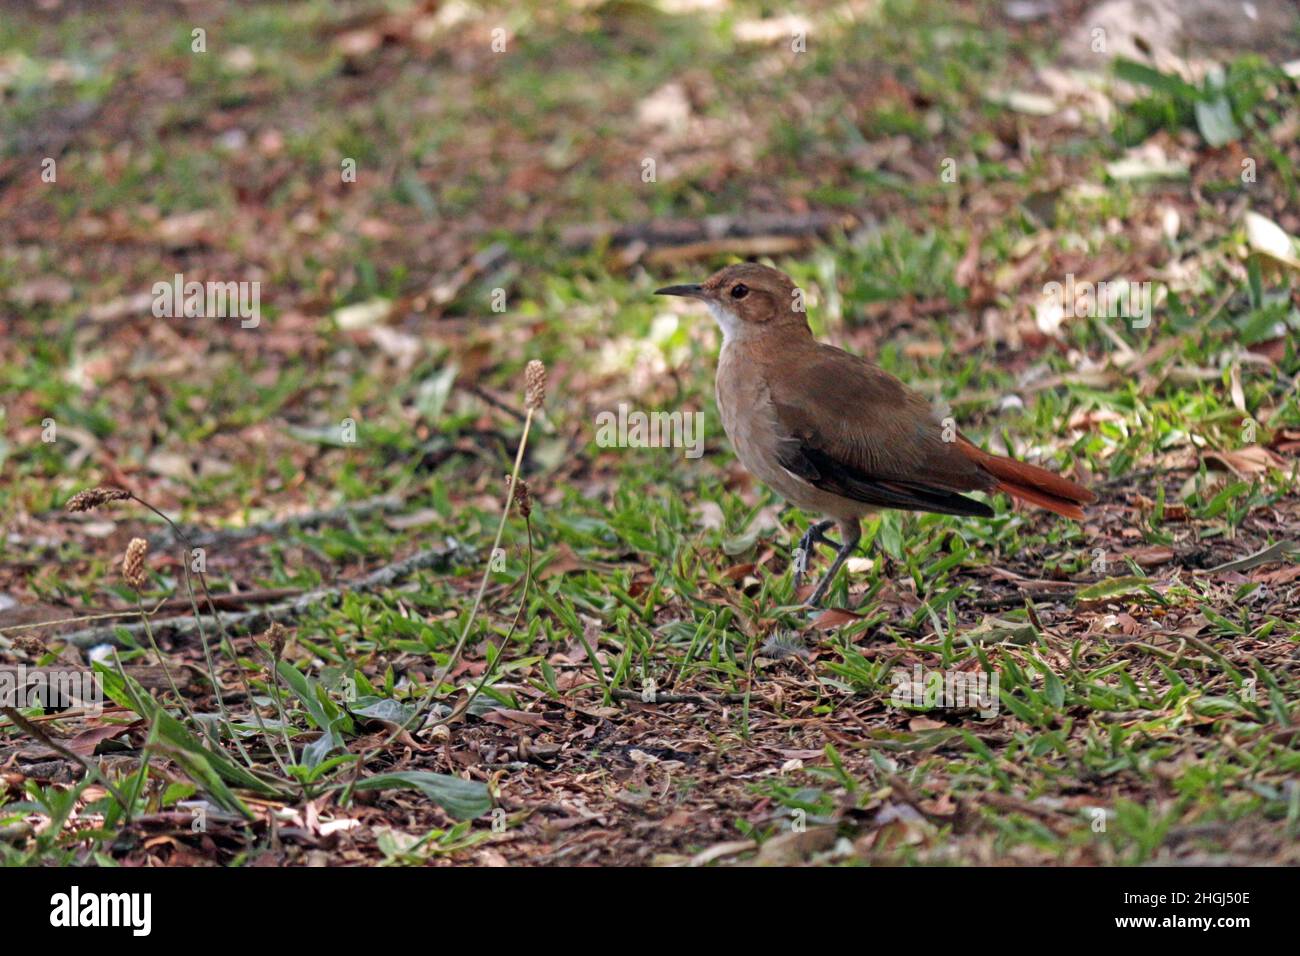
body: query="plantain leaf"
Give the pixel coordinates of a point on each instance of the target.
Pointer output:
(1112, 587)
(463, 799)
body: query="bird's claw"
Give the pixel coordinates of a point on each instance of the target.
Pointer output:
(815, 535)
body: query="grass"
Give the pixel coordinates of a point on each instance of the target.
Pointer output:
(662, 673)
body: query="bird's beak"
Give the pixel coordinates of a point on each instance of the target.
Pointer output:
(691, 291)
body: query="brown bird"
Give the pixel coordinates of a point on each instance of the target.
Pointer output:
(836, 436)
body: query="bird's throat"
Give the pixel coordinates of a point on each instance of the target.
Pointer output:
(727, 321)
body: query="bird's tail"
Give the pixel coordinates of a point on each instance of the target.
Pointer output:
(1031, 484)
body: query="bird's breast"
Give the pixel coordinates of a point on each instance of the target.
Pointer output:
(745, 404)
(749, 419)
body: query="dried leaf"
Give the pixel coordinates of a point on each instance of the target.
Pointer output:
(1245, 462)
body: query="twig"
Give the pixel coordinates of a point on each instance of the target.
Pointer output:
(1135, 476)
(1019, 598)
(228, 599)
(196, 538)
(126, 612)
(676, 232)
(619, 693)
(27, 727)
(260, 618)
(99, 711)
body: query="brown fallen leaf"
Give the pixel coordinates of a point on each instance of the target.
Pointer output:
(795, 846)
(941, 806)
(357, 43)
(1272, 349)
(1245, 462)
(564, 562)
(924, 350)
(1286, 440)
(44, 290)
(84, 743)
(967, 270)
(738, 571)
(185, 230)
(925, 723)
(834, 617)
(413, 519)
(746, 246)
(1174, 510)
(1151, 557)
(507, 718)
(797, 754)
(1278, 577)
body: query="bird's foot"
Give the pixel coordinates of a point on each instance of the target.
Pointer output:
(841, 556)
(814, 601)
(815, 535)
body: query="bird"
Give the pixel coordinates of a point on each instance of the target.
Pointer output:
(838, 437)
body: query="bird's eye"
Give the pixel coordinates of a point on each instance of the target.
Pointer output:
(739, 291)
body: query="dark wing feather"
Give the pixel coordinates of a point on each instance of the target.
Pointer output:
(853, 430)
(822, 471)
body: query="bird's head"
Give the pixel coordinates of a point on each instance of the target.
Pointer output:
(747, 297)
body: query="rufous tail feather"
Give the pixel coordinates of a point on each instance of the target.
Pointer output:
(1031, 484)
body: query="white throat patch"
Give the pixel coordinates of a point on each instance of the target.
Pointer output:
(727, 321)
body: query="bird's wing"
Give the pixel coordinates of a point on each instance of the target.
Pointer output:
(849, 428)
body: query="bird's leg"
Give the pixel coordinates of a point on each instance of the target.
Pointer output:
(816, 534)
(852, 533)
